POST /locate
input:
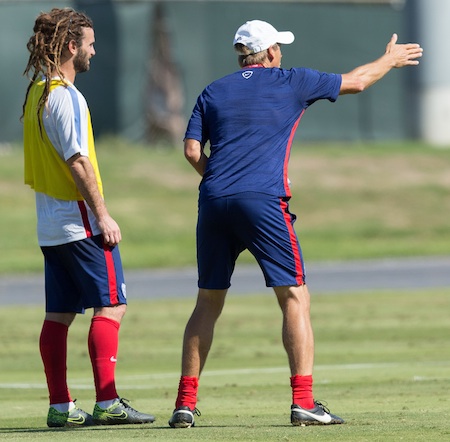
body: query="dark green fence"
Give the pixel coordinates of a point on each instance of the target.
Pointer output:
(154, 58)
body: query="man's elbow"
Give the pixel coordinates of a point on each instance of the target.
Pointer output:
(352, 84)
(355, 88)
(190, 154)
(192, 150)
(360, 86)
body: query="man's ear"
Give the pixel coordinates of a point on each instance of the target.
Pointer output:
(270, 53)
(72, 47)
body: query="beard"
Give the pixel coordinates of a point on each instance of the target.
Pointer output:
(81, 61)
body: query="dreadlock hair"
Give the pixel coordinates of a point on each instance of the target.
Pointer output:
(52, 33)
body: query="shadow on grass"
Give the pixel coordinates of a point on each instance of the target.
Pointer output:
(91, 428)
(126, 427)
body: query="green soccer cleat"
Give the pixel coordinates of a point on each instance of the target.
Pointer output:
(73, 418)
(120, 413)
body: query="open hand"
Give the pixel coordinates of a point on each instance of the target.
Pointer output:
(403, 54)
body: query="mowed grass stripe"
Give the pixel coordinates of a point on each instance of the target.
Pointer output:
(82, 384)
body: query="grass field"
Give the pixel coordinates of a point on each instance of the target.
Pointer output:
(382, 363)
(382, 359)
(352, 201)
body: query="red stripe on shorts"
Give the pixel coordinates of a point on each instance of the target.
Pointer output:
(112, 280)
(85, 218)
(294, 243)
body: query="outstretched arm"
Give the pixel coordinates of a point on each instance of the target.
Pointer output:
(396, 56)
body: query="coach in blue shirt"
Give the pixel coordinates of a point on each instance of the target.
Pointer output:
(249, 118)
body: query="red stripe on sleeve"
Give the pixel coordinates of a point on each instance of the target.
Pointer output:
(288, 153)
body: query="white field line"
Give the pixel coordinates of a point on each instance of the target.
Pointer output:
(85, 384)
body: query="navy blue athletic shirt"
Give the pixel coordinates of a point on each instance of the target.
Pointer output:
(250, 117)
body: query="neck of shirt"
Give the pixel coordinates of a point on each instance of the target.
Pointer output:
(253, 66)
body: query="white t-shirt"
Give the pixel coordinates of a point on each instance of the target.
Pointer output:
(65, 122)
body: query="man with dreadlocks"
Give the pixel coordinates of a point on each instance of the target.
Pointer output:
(77, 236)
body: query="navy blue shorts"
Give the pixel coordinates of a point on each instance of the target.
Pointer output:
(260, 223)
(83, 274)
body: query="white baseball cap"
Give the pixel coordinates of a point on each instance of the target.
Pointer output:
(259, 35)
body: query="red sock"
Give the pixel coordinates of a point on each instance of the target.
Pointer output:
(103, 343)
(53, 347)
(187, 392)
(302, 391)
